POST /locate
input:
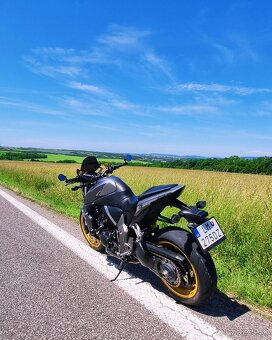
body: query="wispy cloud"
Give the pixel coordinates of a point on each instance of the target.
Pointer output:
(34, 124)
(218, 88)
(120, 42)
(88, 88)
(124, 105)
(120, 37)
(224, 53)
(57, 52)
(30, 107)
(245, 47)
(188, 109)
(127, 49)
(264, 109)
(51, 68)
(85, 107)
(160, 64)
(103, 102)
(233, 47)
(65, 107)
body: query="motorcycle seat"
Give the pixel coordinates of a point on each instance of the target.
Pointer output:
(156, 190)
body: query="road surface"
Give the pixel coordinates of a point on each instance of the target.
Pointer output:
(53, 286)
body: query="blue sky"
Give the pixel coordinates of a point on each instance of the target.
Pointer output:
(180, 77)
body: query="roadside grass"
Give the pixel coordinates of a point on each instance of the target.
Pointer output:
(241, 203)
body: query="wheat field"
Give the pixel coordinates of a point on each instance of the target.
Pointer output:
(241, 204)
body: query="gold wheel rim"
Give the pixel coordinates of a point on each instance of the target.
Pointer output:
(181, 291)
(93, 241)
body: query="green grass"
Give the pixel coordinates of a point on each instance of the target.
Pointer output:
(241, 204)
(78, 159)
(59, 157)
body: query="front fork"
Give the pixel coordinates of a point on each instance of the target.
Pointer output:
(88, 221)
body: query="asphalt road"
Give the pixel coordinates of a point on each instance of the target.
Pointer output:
(48, 292)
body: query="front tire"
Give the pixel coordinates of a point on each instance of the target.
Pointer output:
(93, 241)
(196, 277)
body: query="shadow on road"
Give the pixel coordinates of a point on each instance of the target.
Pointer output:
(219, 306)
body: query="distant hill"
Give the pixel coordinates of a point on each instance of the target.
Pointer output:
(158, 155)
(138, 156)
(147, 157)
(254, 165)
(174, 156)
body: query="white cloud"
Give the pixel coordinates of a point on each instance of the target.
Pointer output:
(123, 37)
(226, 54)
(87, 88)
(188, 109)
(232, 47)
(126, 49)
(30, 107)
(159, 63)
(218, 88)
(52, 69)
(123, 105)
(57, 52)
(85, 107)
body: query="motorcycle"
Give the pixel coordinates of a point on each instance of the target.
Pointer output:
(115, 221)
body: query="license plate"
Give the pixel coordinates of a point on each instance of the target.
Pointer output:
(209, 234)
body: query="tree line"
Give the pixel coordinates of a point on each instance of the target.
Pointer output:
(20, 156)
(261, 165)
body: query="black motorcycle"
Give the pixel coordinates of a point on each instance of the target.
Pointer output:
(125, 226)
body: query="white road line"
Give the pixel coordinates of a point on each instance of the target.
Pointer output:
(179, 317)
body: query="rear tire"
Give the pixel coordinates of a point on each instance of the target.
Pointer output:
(198, 285)
(93, 241)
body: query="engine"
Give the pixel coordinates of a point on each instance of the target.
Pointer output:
(98, 225)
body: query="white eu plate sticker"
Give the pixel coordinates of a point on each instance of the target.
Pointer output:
(209, 234)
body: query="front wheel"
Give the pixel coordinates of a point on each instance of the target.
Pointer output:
(93, 241)
(193, 280)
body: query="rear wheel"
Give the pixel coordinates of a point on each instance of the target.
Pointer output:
(93, 241)
(193, 280)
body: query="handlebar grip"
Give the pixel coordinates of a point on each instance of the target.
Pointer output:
(72, 180)
(75, 188)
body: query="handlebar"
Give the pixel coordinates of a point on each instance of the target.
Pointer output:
(84, 178)
(72, 180)
(112, 168)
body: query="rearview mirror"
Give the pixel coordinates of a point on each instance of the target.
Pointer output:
(128, 158)
(62, 177)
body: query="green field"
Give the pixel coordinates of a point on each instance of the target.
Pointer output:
(241, 203)
(78, 159)
(57, 157)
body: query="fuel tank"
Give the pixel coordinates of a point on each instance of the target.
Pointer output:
(112, 191)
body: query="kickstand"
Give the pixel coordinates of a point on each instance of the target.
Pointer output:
(121, 266)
